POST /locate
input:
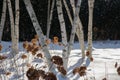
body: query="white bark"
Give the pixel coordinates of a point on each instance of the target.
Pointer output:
(75, 25)
(63, 32)
(90, 24)
(79, 30)
(3, 17)
(39, 33)
(16, 32)
(50, 18)
(12, 26)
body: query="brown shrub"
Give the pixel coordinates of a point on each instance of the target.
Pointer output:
(61, 70)
(57, 60)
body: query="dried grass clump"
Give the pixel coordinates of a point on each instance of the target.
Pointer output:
(55, 40)
(118, 70)
(0, 47)
(2, 57)
(87, 53)
(104, 79)
(50, 76)
(24, 56)
(33, 74)
(25, 45)
(91, 59)
(34, 50)
(76, 70)
(57, 60)
(80, 70)
(40, 55)
(34, 41)
(62, 70)
(8, 73)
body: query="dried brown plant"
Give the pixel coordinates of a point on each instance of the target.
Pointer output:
(76, 70)
(104, 79)
(34, 41)
(116, 64)
(24, 56)
(55, 40)
(118, 70)
(0, 47)
(57, 60)
(87, 53)
(62, 70)
(32, 74)
(8, 73)
(80, 70)
(91, 59)
(50, 76)
(25, 45)
(2, 57)
(40, 55)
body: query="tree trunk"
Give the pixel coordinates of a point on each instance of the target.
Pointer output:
(16, 32)
(50, 18)
(90, 24)
(75, 25)
(2, 23)
(39, 33)
(12, 27)
(63, 32)
(79, 30)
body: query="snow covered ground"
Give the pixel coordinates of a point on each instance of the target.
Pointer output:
(105, 54)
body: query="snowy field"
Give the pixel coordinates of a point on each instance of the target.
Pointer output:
(105, 54)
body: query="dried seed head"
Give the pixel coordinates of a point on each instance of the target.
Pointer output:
(91, 59)
(87, 53)
(25, 45)
(61, 70)
(40, 55)
(36, 37)
(0, 47)
(50, 76)
(57, 60)
(2, 57)
(118, 70)
(8, 73)
(34, 41)
(24, 56)
(76, 70)
(55, 40)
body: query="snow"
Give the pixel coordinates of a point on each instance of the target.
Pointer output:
(105, 54)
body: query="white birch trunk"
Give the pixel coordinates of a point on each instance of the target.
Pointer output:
(48, 18)
(39, 33)
(90, 24)
(16, 32)
(3, 17)
(75, 25)
(12, 26)
(63, 32)
(79, 29)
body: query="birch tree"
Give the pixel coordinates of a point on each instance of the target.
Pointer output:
(63, 32)
(75, 25)
(39, 33)
(12, 26)
(90, 24)
(2, 23)
(79, 29)
(16, 31)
